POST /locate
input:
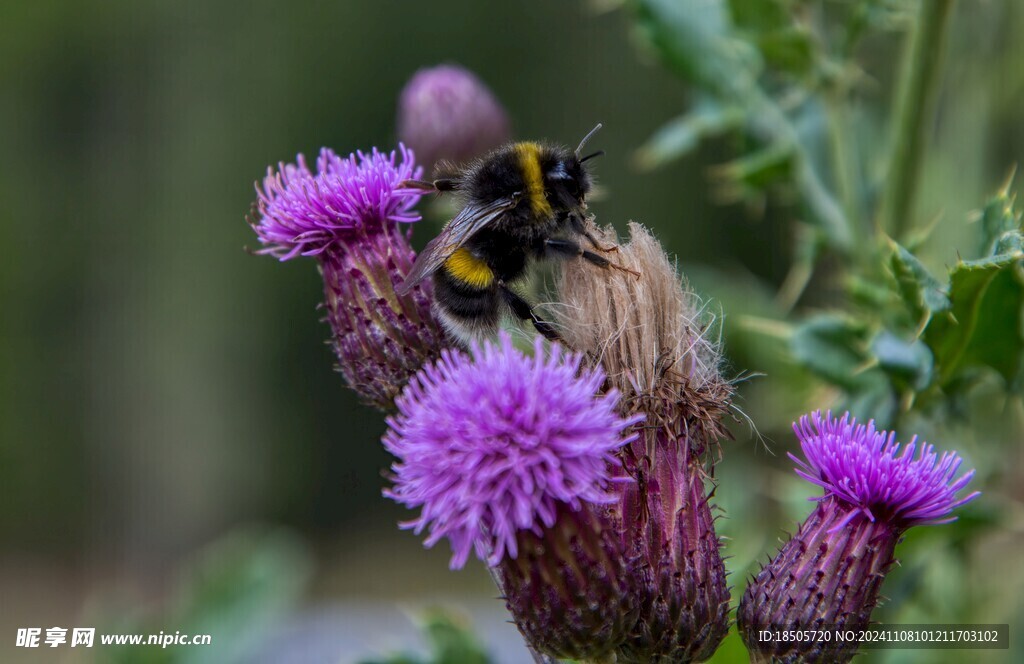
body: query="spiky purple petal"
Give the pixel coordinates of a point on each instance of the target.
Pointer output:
(830, 572)
(493, 444)
(865, 469)
(346, 215)
(302, 212)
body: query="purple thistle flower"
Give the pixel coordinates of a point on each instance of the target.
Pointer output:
(514, 456)
(447, 113)
(347, 216)
(490, 445)
(863, 468)
(306, 213)
(830, 572)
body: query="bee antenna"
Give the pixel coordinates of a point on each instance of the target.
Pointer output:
(592, 155)
(587, 138)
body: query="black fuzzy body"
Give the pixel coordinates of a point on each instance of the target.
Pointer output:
(548, 207)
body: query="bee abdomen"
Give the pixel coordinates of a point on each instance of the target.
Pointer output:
(469, 270)
(466, 310)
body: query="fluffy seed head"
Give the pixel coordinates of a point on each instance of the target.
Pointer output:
(302, 212)
(493, 444)
(651, 336)
(866, 470)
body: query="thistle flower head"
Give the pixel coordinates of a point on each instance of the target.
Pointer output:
(347, 216)
(446, 112)
(302, 212)
(494, 444)
(867, 471)
(649, 335)
(831, 570)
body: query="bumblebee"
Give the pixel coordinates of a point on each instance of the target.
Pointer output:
(521, 202)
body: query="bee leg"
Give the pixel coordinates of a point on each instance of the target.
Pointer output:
(523, 311)
(577, 225)
(444, 184)
(597, 245)
(570, 248)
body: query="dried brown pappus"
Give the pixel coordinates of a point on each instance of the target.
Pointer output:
(651, 335)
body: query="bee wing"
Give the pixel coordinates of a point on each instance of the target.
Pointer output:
(467, 222)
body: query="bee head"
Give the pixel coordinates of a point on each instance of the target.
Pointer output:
(567, 180)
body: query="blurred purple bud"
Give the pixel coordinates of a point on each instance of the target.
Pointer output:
(447, 113)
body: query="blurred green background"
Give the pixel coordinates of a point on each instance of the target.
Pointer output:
(161, 388)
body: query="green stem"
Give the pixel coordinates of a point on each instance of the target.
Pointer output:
(916, 99)
(844, 157)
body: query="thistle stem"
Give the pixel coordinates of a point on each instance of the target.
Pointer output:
(916, 99)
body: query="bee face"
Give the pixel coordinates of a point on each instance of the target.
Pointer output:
(567, 180)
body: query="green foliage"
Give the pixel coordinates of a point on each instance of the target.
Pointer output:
(983, 327)
(829, 126)
(734, 55)
(450, 640)
(697, 41)
(920, 341)
(922, 293)
(778, 75)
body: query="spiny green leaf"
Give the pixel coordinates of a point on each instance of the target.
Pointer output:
(983, 325)
(833, 347)
(1011, 242)
(791, 50)
(908, 363)
(922, 293)
(679, 136)
(759, 15)
(696, 39)
(1000, 223)
(760, 169)
(998, 340)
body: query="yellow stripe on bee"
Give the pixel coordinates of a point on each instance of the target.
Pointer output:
(466, 267)
(529, 164)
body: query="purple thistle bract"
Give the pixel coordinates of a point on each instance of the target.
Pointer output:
(865, 469)
(830, 572)
(306, 213)
(496, 443)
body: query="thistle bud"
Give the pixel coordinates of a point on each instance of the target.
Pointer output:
(830, 572)
(447, 113)
(512, 457)
(347, 216)
(568, 587)
(648, 335)
(682, 581)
